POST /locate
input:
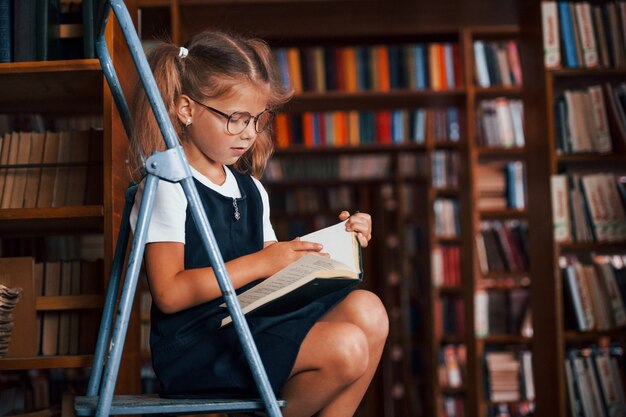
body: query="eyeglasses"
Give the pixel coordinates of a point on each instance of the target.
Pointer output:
(238, 121)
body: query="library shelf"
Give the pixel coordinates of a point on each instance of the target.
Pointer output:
(52, 219)
(503, 214)
(69, 302)
(45, 362)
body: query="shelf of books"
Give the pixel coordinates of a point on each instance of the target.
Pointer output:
(58, 202)
(578, 142)
(500, 340)
(382, 132)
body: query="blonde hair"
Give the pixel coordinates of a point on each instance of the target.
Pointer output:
(216, 62)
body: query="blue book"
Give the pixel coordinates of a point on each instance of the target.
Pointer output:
(363, 76)
(420, 66)
(567, 35)
(454, 129)
(447, 49)
(419, 132)
(317, 134)
(283, 67)
(6, 39)
(397, 126)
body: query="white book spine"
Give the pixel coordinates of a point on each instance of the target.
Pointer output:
(560, 209)
(551, 42)
(602, 133)
(587, 36)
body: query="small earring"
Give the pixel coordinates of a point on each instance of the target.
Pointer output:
(188, 123)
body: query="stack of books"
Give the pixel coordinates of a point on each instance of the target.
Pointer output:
(9, 298)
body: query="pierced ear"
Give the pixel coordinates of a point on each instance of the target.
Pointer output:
(184, 109)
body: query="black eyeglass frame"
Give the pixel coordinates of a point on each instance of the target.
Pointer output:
(228, 117)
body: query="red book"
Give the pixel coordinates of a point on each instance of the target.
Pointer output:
(383, 126)
(308, 135)
(281, 130)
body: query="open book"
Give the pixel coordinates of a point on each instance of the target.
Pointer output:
(309, 277)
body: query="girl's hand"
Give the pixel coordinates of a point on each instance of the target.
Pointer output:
(278, 255)
(361, 223)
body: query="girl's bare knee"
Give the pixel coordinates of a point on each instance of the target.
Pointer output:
(349, 353)
(368, 312)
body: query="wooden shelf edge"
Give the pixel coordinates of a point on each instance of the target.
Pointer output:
(45, 362)
(51, 213)
(69, 302)
(50, 66)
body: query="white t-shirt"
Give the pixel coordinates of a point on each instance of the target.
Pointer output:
(167, 223)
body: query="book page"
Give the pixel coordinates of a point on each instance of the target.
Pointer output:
(303, 270)
(338, 243)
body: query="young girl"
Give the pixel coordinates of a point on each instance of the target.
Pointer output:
(219, 91)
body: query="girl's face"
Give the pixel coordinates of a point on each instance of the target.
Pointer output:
(209, 145)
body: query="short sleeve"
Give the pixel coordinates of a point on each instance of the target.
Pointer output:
(167, 223)
(268, 231)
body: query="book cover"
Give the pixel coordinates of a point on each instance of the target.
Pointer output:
(308, 278)
(48, 173)
(33, 173)
(10, 172)
(560, 209)
(567, 35)
(24, 30)
(50, 325)
(6, 36)
(551, 40)
(77, 175)
(19, 183)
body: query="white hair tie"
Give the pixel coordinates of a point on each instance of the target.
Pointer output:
(183, 52)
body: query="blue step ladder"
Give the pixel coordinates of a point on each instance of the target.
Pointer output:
(170, 165)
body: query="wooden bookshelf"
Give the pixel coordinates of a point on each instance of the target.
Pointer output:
(547, 300)
(58, 90)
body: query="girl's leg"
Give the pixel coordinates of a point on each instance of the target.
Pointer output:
(365, 310)
(338, 359)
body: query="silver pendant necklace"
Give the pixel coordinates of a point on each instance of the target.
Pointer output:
(237, 214)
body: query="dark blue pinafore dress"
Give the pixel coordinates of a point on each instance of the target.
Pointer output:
(191, 355)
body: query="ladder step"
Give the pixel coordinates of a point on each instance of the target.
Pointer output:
(153, 404)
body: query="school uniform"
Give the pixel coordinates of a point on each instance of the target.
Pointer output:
(192, 356)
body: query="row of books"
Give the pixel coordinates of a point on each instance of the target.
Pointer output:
(594, 292)
(50, 169)
(583, 34)
(412, 164)
(509, 376)
(500, 123)
(502, 311)
(67, 332)
(449, 316)
(370, 67)
(518, 409)
(41, 393)
(501, 185)
(502, 246)
(497, 63)
(591, 120)
(595, 387)
(451, 369)
(447, 223)
(451, 406)
(33, 30)
(445, 267)
(353, 128)
(589, 207)
(345, 167)
(309, 200)
(445, 169)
